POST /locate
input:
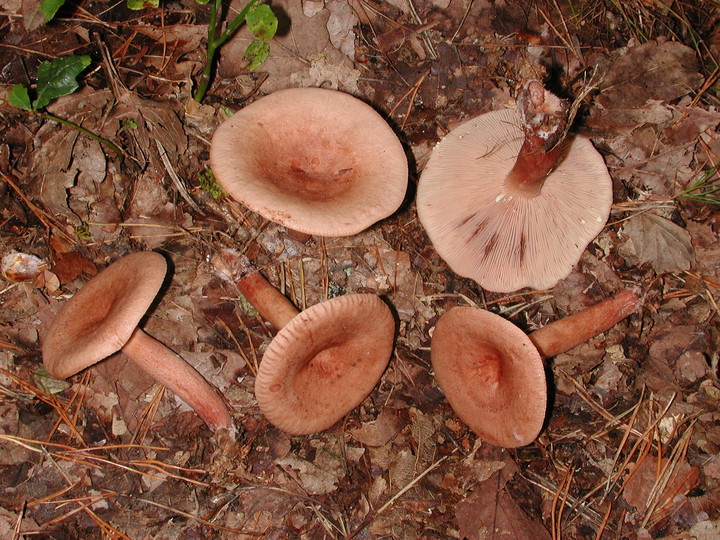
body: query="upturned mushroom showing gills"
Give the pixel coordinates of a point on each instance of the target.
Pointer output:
(317, 161)
(102, 319)
(493, 374)
(509, 201)
(324, 361)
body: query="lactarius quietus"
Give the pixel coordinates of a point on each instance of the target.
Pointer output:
(508, 201)
(317, 161)
(493, 374)
(324, 361)
(102, 319)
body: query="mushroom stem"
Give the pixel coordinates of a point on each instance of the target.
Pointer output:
(171, 370)
(231, 265)
(270, 303)
(543, 117)
(560, 336)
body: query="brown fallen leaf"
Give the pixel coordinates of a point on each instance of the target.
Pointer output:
(380, 431)
(63, 156)
(658, 241)
(301, 53)
(659, 482)
(69, 266)
(490, 512)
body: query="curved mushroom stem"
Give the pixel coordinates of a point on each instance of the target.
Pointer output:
(560, 336)
(544, 117)
(171, 370)
(234, 267)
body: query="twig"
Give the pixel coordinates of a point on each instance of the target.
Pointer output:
(177, 181)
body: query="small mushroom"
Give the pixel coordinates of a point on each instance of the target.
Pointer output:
(102, 318)
(493, 374)
(317, 161)
(508, 201)
(324, 361)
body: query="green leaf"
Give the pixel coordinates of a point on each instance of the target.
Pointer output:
(50, 7)
(19, 98)
(256, 53)
(137, 5)
(202, 2)
(261, 21)
(58, 78)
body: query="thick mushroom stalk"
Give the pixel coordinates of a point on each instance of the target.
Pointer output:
(543, 118)
(102, 318)
(166, 367)
(561, 336)
(493, 374)
(324, 361)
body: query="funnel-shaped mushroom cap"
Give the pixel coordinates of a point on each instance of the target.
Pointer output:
(325, 362)
(491, 374)
(102, 316)
(317, 161)
(500, 237)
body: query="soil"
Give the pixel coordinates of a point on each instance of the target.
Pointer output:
(629, 448)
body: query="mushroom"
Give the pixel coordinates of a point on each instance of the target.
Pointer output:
(317, 161)
(493, 374)
(324, 361)
(508, 201)
(102, 318)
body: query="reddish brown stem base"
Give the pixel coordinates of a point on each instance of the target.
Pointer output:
(532, 167)
(543, 117)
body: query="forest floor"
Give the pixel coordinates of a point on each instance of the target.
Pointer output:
(630, 446)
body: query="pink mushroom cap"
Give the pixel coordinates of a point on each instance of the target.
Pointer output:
(325, 362)
(318, 161)
(102, 316)
(491, 374)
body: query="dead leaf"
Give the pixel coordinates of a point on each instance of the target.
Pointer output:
(154, 121)
(301, 53)
(314, 480)
(340, 26)
(32, 16)
(380, 431)
(658, 241)
(638, 79)
(651, 71)
(490, 512)
(69, 266)
(662, 480)
(55, 168)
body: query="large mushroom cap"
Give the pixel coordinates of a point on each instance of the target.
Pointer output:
(497, 236)
(102, 316)
(324, 362)
(317, 161)
(491, 374)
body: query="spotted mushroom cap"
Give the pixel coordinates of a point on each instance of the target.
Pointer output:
(325, 362)
(101, 317)
(503, 239)
(491, 374)
(318, 161)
